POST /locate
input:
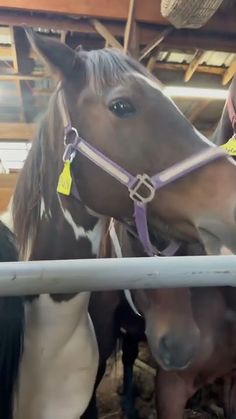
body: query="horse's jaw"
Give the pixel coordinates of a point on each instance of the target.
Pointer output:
(217, 236)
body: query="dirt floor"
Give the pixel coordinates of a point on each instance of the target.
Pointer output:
(110, 390)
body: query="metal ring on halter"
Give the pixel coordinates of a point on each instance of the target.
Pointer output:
(71, 133)
(146, 181)
(69, 153)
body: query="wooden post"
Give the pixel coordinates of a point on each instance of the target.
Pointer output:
(131, 35)
(105, 33)
(197, 58)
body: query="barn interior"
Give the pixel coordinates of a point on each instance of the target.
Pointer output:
(195, 65)
(203, 58)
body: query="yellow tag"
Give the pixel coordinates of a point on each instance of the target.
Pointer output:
(65, 180)
(230, 146)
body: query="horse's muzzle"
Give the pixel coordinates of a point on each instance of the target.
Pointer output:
(174, 352)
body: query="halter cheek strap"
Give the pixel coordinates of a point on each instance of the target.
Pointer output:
(142, 188)
(118, 253)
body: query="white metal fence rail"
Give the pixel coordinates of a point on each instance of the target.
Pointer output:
(68, 276)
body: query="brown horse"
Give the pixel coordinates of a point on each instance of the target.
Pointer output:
(191, 334)
(107, 122)
(212, 310)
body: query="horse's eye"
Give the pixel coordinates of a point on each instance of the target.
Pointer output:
(122, 108)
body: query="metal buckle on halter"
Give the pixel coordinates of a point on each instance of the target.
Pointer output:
(146, 181)
(70, 142)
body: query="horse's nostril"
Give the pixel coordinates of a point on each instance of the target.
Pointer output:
(165, 343)
(175, 352)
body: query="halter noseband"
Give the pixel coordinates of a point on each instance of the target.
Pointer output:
(135, 184)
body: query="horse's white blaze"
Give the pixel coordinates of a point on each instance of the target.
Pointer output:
(94, 235)
(60, 360)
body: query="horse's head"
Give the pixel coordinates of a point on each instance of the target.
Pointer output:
(120, 111)
(171, 330)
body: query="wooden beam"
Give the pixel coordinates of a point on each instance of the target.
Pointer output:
(16, 76)
(218, 71)
(199, 40)
(197, 58)
(5, 196)
(185, 38)
(129, 26)
(154, 44)
(16, 70)
(229, 73)
(148, 11)
(151, 63)
(5, 51)
(105, 33)
(17, 131)
(8, 181)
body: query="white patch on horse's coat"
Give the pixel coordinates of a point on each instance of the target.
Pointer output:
(225, 251)
(60, 360)
(43, 212)
(94, 236)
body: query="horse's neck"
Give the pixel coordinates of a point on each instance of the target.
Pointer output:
(67, 230)
(59, 337)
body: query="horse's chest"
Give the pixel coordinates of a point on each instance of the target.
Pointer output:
(60, 360)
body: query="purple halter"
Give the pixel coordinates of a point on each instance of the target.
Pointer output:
(75, 144)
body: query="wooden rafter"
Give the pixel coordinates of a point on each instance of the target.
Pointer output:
(16, 70)
(63, 36)
(229, 73)
(105, 33)
(116, 9)
(218, 71)
(16, 131)
(197, 58)
(155, 43)
(217, 41)
(147, 11)
(17, 76)
(129, 28)
(5, 51)
(151, 63)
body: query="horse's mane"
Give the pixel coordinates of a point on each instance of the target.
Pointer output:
(104, 67)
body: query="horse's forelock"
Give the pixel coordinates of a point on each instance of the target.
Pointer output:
(109, 66)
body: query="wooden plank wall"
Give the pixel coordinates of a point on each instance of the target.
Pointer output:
(8, 183)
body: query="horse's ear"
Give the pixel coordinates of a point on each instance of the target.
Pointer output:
(57, 55)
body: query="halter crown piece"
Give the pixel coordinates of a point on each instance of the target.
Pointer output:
(142, 188)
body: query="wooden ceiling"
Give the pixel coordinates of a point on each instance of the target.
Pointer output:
(135, 25)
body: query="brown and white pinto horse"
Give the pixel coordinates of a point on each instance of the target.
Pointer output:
(11, 330)
(126, 127)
